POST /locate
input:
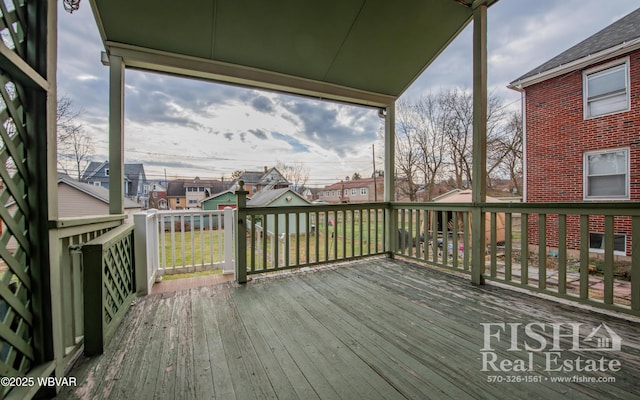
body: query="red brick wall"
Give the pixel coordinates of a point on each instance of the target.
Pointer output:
(557, 138)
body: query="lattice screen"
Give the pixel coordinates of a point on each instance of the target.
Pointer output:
(119, 280)
(16, 333)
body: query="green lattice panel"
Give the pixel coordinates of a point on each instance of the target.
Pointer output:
(118, 278)
(16, 331)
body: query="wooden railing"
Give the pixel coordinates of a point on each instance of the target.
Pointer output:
(279, 238)
(67, 237)
(183, 241)
(589, 253)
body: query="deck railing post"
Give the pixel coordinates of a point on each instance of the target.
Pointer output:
(228, 241)
(146, 242)
(241, 234)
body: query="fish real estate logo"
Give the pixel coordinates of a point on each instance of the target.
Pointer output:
(551, 347)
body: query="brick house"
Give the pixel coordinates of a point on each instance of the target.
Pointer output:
(582, 130)
(353, 191)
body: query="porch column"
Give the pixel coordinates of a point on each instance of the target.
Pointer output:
(479, 172)
(241, 233)
(116, 135)
(389, 175)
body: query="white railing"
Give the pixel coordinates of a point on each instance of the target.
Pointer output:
(183, 241)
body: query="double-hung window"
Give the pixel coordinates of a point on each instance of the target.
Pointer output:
(606, 89)
(606, 174)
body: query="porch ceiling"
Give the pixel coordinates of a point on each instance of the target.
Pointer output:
(361, 51)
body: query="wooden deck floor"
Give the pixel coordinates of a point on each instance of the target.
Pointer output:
(374, 329)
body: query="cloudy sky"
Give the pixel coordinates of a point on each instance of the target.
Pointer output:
(188, 128)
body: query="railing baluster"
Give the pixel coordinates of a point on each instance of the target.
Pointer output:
(584, 257)
(173, 243)
(524, 249)
(252, 241)
(635, 263)
(542, 251)
(562, 254)
(609, 244)
(217, 229)
(163, 251)
(494, 244)
(454, 239)
(307, 245)
(334, 235)
(201, 218)
(508, 243)
(265, 239)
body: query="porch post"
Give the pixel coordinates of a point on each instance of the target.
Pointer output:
(389, 175)
(479, 172)
(241, 234)
(116, 135)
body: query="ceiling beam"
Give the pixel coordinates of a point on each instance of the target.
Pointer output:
(216, 71)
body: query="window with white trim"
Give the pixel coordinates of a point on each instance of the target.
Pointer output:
(106, 172)
(606, 175)
(353, 192)
(596, 243)
(606, 89)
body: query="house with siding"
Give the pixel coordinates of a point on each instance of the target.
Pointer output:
(582, 130)
(135, 180)
(79, 199)
(269, 178)
(282, 197)
(184, 194)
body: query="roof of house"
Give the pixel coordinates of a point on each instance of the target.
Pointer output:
(132, 171)
(356, 183)
(213, 196)
(625, 32)
(97, 192)
(265, 197)
(92, 169)
(259, 177)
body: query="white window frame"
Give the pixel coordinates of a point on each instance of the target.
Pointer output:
(600, 69)
(585, 175)
(346, 192)
(601, 249)
(363, 191)
(106, 172)
(353, 192)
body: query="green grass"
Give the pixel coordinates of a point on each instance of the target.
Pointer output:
(193, 250)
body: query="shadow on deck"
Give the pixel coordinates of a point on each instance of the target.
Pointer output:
(372, 329)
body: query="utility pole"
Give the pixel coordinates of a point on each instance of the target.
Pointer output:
(375, 186)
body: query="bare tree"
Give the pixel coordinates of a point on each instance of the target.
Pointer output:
(432, 124)
(407, 151)
(511, 145)
(297, 174)
(74, 145)
(459, 132)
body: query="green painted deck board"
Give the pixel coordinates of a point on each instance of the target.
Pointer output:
(372, 329)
